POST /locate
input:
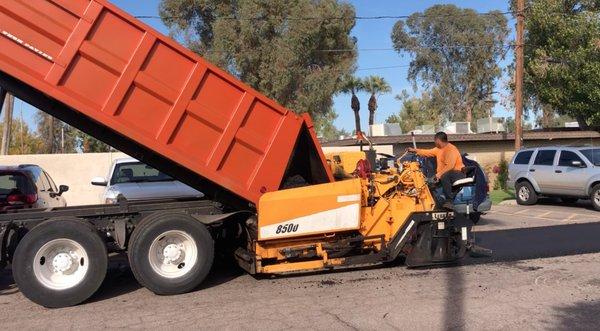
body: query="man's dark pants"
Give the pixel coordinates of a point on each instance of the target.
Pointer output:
(447, 179)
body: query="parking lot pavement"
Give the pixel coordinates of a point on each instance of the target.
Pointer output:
(546, 213)
(544, 275)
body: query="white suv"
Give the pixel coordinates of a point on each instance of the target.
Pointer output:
(135, 180)
(570, 173)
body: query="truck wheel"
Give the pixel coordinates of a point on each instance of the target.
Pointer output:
(60, 263)
(595, 196)
(170, 253)
(525, 193)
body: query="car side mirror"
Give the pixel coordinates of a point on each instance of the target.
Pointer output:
(99, 181)
(62, 189)
(577, 164)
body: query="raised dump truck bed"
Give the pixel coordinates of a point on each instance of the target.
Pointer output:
(101, 70)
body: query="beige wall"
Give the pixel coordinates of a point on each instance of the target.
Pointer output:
(74, 170)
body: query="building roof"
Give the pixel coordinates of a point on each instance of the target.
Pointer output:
(502, 136)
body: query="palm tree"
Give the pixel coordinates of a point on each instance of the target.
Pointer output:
(353, 85)
(377, 86)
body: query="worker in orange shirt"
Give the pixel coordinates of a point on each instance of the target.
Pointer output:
(449, 164)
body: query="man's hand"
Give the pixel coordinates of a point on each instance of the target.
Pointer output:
(411, 150)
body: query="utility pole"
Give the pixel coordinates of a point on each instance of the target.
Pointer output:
(519, 75)
(9, 102)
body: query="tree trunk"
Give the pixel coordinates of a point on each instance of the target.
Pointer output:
(372, 109)
(469, 115)
(355, 104)
(6, 130)
(50, 141)
(582, 122)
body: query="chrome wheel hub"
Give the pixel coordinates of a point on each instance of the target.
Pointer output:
(173, 254)
(524, 193)
(60, 264)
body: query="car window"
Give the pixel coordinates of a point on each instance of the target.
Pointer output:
(593, 155)
(567, 157)
(52, 185)
(36, 176)
(523, 157)
(137, 172)
(45, 182)
(544, 157)
(14, 182)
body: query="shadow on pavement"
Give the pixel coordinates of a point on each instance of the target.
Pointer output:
(581, 203)
(120, 280)
(538, 242)
(582, 315)
(7, 284)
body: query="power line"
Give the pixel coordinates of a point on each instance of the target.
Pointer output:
(306, 18)
(386, 67)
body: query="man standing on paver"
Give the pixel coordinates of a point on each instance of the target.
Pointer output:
(449, 164)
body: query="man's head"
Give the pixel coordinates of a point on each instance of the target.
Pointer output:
(440, 139)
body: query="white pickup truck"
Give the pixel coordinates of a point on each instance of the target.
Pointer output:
(135, 180)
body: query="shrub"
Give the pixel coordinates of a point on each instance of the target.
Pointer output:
(502, 178)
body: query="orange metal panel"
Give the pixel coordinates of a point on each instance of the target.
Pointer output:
(122, 74)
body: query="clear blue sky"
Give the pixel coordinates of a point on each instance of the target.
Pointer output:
(370, 34)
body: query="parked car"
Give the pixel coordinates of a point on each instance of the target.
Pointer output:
(29, 186)
(570, 173)
(135, 180)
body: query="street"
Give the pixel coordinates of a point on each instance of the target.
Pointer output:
(545, 274)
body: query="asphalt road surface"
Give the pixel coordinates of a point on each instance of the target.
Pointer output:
(545, 274)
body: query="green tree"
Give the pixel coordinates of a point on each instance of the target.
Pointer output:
(284, 49)
(352, 85)
(376, 86)
(455, 56)
(58, 137)
(22, 139)
(416, 111)
(562, 58)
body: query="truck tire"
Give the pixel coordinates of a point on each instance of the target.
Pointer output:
(170, 253)
(525, 194)
(60, 263)
(595, 197)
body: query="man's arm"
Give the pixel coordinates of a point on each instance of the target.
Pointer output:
(426, 152)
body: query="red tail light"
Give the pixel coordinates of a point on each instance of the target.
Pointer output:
(22, 198)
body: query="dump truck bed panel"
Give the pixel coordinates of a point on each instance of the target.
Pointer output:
(102, 62)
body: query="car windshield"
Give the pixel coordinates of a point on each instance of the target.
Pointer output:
(592, 154)
(15, 183)
(137, 172)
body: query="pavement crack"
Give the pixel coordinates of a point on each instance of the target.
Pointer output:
(341, 321)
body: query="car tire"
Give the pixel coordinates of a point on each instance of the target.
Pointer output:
(595, 197)
(525, 194)
(60, 263)
(170, 253)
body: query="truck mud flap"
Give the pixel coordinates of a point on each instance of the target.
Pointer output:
(433, 238)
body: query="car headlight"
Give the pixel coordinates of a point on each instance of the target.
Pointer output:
(110, 201)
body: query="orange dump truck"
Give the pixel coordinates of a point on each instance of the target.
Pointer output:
(101, 70)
